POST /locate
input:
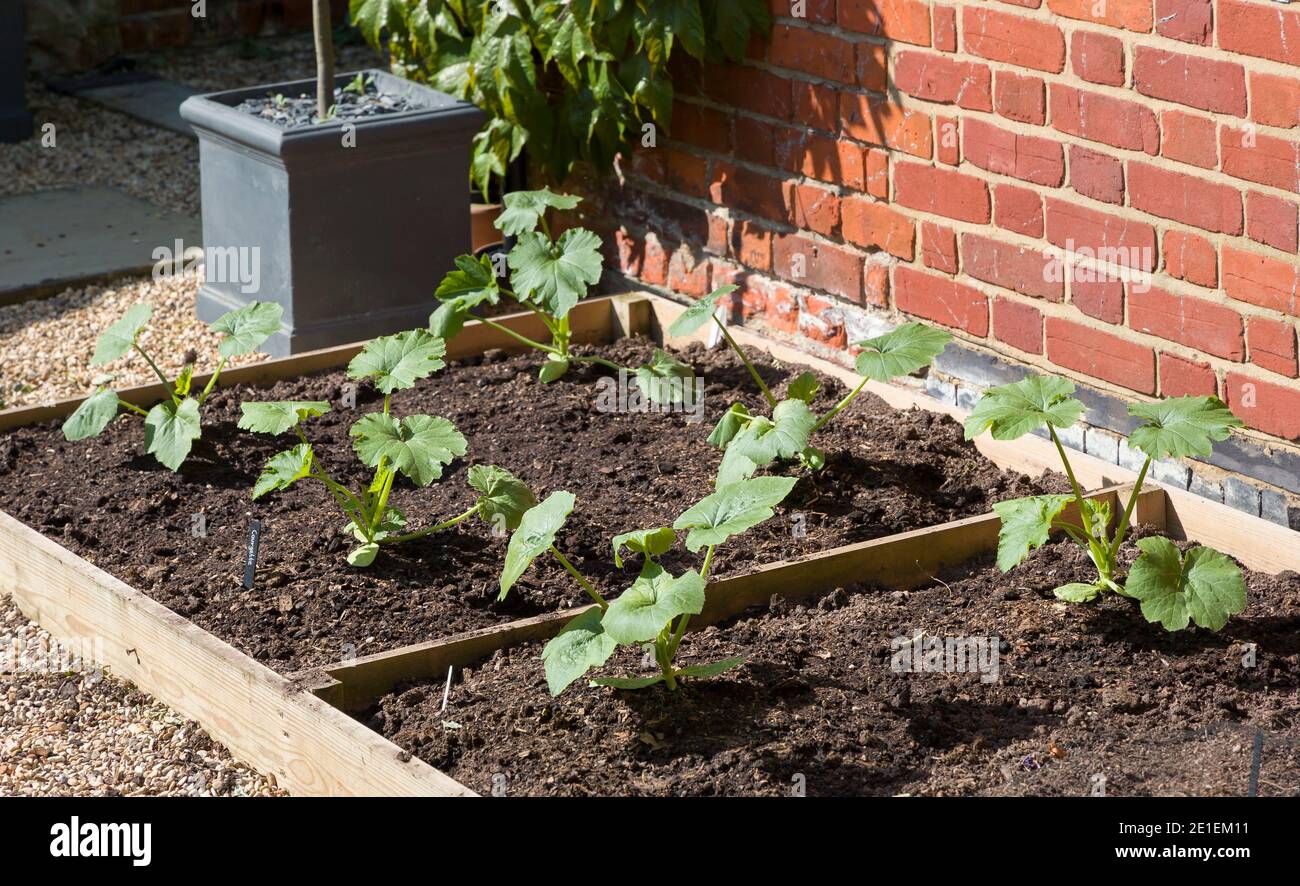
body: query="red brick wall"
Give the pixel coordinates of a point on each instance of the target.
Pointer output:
(156, 24)
(932, 158)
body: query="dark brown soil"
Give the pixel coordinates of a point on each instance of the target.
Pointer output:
(1086, 698)
(888, 471)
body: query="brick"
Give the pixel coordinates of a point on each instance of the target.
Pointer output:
(654, 261)
(941, 192)
(1259, 29)
(1102, 118)
(873, 67)
(1260, 280)
(811, 52)
(1020, 98)
(1132, 15)
(1271, 220)
(1264, 406)
(1272, 344)
(752, 245)
(1018, 324)
(1018, 209)
(877, 225)
(820, 11)
(822, 320)
(1100, 355)
(1021, 269)
(904, 20)
(816, 105)
(774, 302)
(719, 242)
(1260, 158)
(702, 127)
(875, 283)
(1186, 198)
(945, 28)
(685, 173)
(747, 190)
(687, 274)
(1192, 258)
(880, 121)
(1098, 295)
(941, 300)
(835, 161)
(1191, 21)
(878, 173)
(1027, 157)
(760, 92)
(1101, 235)
(947, 140)
(1097, 58)
(823, 266)
(1275, 100)
(937, 78)
(1096, 175)
(1189, 138)
(757, 141)
(1013, 39)
(812, 208)
(1194, 322)
(1193, 80)
(939, 247)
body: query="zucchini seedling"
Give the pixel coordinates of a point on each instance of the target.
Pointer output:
(752, 441)
(416, 446)
(657, 608)
(549, 277)
(172, 426)
(1201, 586)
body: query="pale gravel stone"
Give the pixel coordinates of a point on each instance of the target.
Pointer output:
(69, 729)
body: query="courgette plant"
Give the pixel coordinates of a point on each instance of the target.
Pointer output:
(172, 426)
(752, 441)
(548, 276)
(657, 608)
(1201, 586)
(416, 446)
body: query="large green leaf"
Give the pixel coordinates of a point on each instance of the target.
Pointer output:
(473, 282)
(1203, 586)
(731, 423)
(278, 416)
(92, 416)
(283, 470)
(1077, 592)
(699, 312)
(555, 276)
(448, 319)
(534, 537)
(119, 338)
(246, 328)
(733, 509)
(417, 445)
(1014, 410)
(1026, 524)
(524, 209)
(581, 645)
(1181, 426)
(733, 468)
(651, 542)
(398, 361)
(712, 669)
(666, 379)
(628, 682)
(783, 436)
(900, 352)
(804, 388)
(170, 431)
(652, 602)
(503, 498)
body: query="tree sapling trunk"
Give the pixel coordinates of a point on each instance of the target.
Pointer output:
(321, 24)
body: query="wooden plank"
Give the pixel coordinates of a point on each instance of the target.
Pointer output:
(901, 561)
(265, 720)
(590, 321)
(1259, 544)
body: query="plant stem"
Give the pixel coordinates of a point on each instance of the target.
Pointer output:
(1122, 528)
(171, 388)
(381, 503)
(524, 340)
(1074, 484)
(586, 585)
(420, 533)
(838, 406)
(131, 406)
(212, 382)
(771, 401)
(600, 361)
(686, 619)
(321, 28)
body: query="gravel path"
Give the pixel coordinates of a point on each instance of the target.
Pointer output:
(68, 731)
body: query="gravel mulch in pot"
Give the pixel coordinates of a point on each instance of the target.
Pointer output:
(82, 732)
(888, 471)
(1087, 699)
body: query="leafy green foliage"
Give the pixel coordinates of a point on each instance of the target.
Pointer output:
(699, 312)
(653, 600)
(398, 361)
(503, 499)
(555, 275)
(785, 435)
(1013, 410)
(284, 469)
(279, 416)
(665, 379)
(171, 426)
(1204, 586)
(418, 446)
(574, 81)
(651, 542)
(804, 387)
(523, 210)
(581, 645)
(732, 510)
(902, 351)
(534, 536)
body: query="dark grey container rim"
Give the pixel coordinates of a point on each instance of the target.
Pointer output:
(214, 114)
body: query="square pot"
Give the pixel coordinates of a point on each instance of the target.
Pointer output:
(347, 224)
(15, 121)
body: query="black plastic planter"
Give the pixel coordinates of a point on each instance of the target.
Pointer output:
(15, 121)
(350, 240)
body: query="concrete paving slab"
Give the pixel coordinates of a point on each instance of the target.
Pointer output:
(50, 240)
(141, 95)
